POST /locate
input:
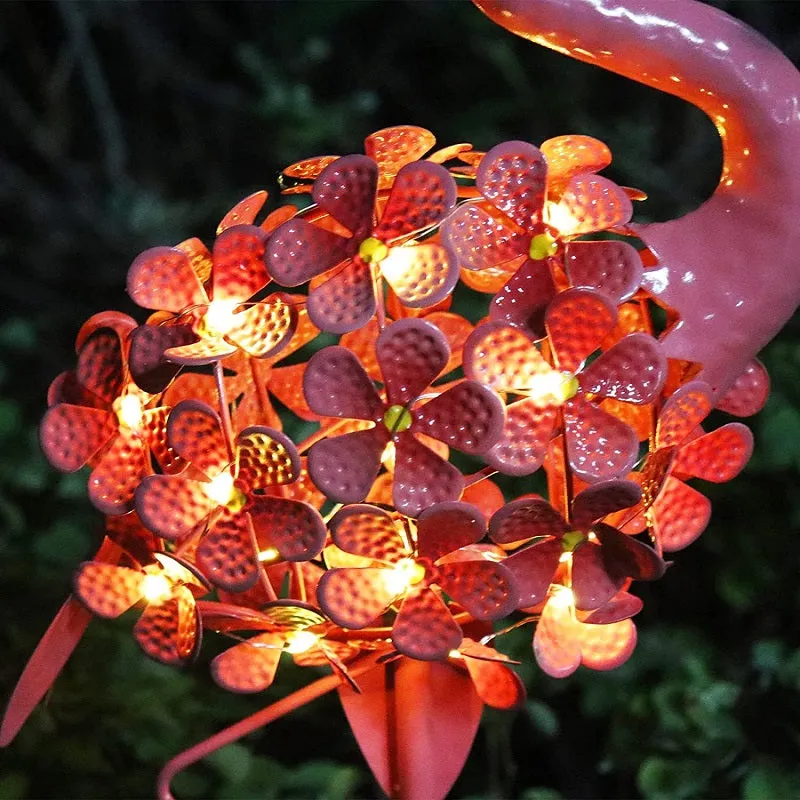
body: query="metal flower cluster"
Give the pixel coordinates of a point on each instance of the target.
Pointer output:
(455, 334)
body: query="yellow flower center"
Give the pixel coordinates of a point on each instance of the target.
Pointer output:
(403, 575)
(223, 492)
(128, 409)
(543, 245)
(372, 250)
(397, 419)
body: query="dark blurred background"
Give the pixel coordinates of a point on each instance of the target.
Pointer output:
(124, 125)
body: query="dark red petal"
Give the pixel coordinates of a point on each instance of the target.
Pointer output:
(524, 519)
(446, 527)
(599, 446)
(632, 371)
(162, 278)
(621, 606)
(249, 666)
(533, 569)
(344, 467)
(748, 393)
(71, 435)
(593, 583)
(336, 385)
(718, 456)
(298, 251)
(354, 597)
(682, 413)
(421, 477)
(496, 684)
(411, 354)
(170, 632)
(513, 176)
(611, 267)
(194, 431)
(625, 556)
(422, 195)
(346, 190)
(468, 416)
(524, 298)
(577, 321)
(486, 589)
(106, 589)
(369, 531)
(344, 300)
(596, 502)
(680, 515)
(292, 527)
(265, 457)
(594, 204)
(526, 435)
(149, 369)
(227, 553)
(171, 506)
(479, 240)
(425, 628)
(239, 270)
(114, 480)
(100, 364)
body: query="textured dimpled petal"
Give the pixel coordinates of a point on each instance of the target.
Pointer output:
(365, 530)
(244, 212)
(70, 435)
(574, 154)
(627, 557)
(171, 506)
(239, 271)
(611, 267)
(605, 647)
(425, 628)
(524, 298)
(149, 369)
(592, 583)
(398, 145)
(622, 606)
(749, 392)
(411, 354)
(526, 435)
(197, 354)
(263, 329)
(344, 300)
(486, 589)
(680, 514)
(556, 643)
(114, 480)
(592, 203)
(421, 275)
(265, 457)
(346, 190)
(162, 278)
(100, 364)
(513, 177)
(718, 456)
(335, 384)
(354, 597)
(194, 431)
(682, 413)
(294, 528)
(602, 499)
(106, 589)
(249, 666)
(227, 555)
(524, 519)
(170, 632)
(446, 527)
(468, 416)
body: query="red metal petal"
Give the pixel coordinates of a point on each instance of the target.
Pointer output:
(524, 298)
(421, 275)
(513, 176)
(244, 212)
(354, 597)
(194, 431)
(362, 343)
(298, 250)
(479, 240)
(504, 357)
(265, 457)
(421, 477)
(526, 434)
(748, 393)
(525, 519)
(170, 632)
(346, 190)
(264, 328)
(496, 684)
(680, 514)
(593, 583)
(249, 666)
(239, 269)
(365, 530)
(633, 370)
(485, 495)
(100, 364)
(456, 329)
(149, 369)
(294, 528)
(344, 467)
(487, 590)
(577, 321)
(605, 647)
(106, 589)
(469, 416)
(602, 499)
(153, 431)
(593, 204)
(718, 456)
(625, 556)
(599, 446)
(117, 475)
(415, 723)
(171, 506)
(411, 353)
(227, 553)
(422, 194)
(286, 383)
(335, 384)
(682, 413)
(396, 146)
(573, 155)
(621, 606)
(71, 435)
(205, 351)
(425, 628)
(162, 278)
(344, 300)
(446, 527)
(556, 643)
(611, 267)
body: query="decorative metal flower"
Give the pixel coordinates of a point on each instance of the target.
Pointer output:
(597, 558)
(199, 329)
(96, 418)
(494, 680)
(405, 562)
(229, 497)
(532, 212)
(411, 353)
(676, 513)
(169, 629)
(361, 251)
(599, 445)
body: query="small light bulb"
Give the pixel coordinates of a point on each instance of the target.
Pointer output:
(220, 489)
(558, 216)
(561, 597)
(405, 574)
(219, 318)
(270, 554)
(156, 588)
(552, 388)
(128, 409)
(300, 642)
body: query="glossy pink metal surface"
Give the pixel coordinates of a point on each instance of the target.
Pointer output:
(731, 267)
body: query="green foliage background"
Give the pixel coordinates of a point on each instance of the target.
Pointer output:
(126, 125)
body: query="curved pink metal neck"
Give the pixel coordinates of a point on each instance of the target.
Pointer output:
(731, 268)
